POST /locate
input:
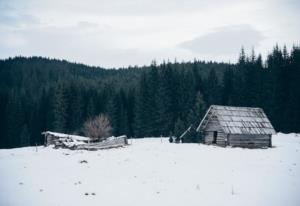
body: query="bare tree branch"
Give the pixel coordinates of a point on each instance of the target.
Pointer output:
(98, 128)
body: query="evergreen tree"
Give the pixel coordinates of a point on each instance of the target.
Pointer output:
(90, 109)
(14, 120)
(38, 94)
(24, 136)
(228, 87)
(242, 58)
(118, 114)
(198, 110)
(277, 94)
(59, 109)
(250, 87)
(74, 109)
(167, 99)
(179, 128)
(130, 112)
(213, 89)
(142, 108)
(293, 102)
(186, 97)
(197, 76)
(192, 136)
(3, 102)
(152, 102)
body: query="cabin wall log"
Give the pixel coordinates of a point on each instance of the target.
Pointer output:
(111, 143)
(49, 140)
(246, 140)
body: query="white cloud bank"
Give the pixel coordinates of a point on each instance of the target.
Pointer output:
(119, 33)
(225, 40)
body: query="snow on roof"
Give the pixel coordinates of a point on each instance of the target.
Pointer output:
(62, 135)
(240, 120)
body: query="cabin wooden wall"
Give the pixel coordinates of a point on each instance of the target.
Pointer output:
(49, 139)
(212, 126)
(247, 140)
(236, 140)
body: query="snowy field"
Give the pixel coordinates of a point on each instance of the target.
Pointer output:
(151, 173)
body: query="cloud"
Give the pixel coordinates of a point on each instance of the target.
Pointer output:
(86, 24)
(120, 7)
(123, 32)
(225, 40)
(14, 20)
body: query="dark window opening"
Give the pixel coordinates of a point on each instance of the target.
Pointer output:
(215, 137)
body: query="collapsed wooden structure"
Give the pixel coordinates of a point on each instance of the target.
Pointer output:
(110, 142)
(236, 126)
(61, 140)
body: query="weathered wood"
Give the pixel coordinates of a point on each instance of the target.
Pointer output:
(57, 138)
(249, 140)
(60, 140)
(211, 127)
(204, 120)
(236, 126)
(97, 147)
(112, 142)
(186, 131)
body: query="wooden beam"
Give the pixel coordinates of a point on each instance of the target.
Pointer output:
(188, 129)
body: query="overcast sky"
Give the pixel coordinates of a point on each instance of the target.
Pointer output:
(116, 33)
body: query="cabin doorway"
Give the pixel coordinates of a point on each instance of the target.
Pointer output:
(215, 137)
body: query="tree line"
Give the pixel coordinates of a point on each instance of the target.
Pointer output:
(39, 94)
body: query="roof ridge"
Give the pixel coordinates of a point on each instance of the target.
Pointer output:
(216, 105)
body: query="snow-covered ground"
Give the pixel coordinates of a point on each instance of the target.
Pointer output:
(151, 172)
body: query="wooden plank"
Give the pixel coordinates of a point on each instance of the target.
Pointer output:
(204, 118)
(249, 140)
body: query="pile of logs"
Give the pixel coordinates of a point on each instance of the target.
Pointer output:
(111, 142)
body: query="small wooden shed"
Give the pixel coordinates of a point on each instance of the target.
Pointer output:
(236, 126)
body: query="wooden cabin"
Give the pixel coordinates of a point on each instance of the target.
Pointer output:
(236, 126)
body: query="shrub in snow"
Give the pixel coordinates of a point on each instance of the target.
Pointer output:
(171, 139)
(98, 128)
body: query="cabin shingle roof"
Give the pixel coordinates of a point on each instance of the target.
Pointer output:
(240, 120)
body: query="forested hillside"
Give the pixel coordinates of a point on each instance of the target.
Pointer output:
(39, 94)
